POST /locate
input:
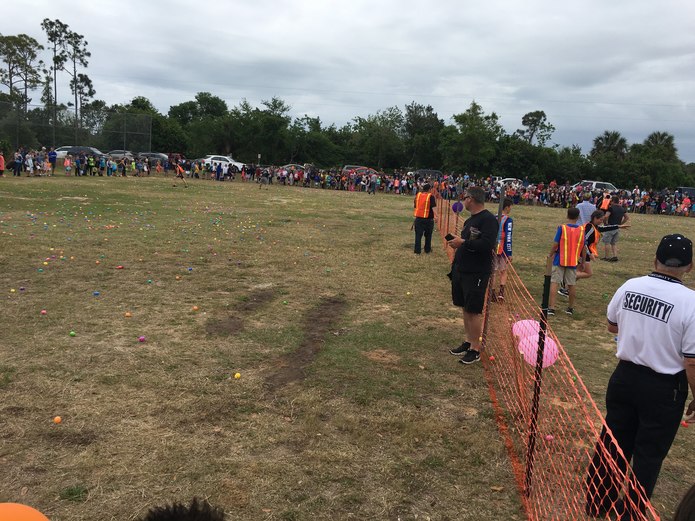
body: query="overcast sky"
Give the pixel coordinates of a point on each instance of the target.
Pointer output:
(591, 65)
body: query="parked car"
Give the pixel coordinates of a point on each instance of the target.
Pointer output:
(153, 157)
(360, 170)
(292, 166)
(510, 181)
(61, 152)
(687, 190)
(595, 186)
(223, 160)
(89, 151)
(120, 154)
(426, 172)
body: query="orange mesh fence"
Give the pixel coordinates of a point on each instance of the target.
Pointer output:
(566, 463)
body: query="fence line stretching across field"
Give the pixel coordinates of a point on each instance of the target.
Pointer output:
(547, 419)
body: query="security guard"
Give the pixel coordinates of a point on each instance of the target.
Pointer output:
(654, 318)
(424, 218)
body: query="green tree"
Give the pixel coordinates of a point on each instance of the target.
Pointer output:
(76, 55)
(210, 105)
(422, 129)
(537, 127)
(377, 140)
(573, 166)
(22, 71)
(55, 33)
(611, 142)
(9, 74)
(206, 105)
(310, 144)
(84, 90)
(472, 143)
(184, 113)
(661, 145)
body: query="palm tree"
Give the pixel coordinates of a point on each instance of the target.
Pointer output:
(610, 142)
(662, 144)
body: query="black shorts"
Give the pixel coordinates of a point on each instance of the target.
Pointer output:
(468, 290)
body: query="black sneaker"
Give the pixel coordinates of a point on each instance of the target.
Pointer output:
(564, 292)
(569, 311)
(551, 312)
(613, 259)
(460, 350)
(470, 357)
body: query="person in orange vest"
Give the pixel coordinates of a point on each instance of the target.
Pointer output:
(605, 202)
(568, 252)
(592, 235)
(424, 218)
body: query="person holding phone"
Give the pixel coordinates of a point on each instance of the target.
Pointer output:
(424, 218)
(470, 271)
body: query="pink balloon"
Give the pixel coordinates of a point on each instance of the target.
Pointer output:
(528, 347)
(524, 328)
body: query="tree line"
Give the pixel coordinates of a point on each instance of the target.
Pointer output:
(393, 138)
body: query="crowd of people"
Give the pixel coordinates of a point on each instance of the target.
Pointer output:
(637, 200)
(43, 162)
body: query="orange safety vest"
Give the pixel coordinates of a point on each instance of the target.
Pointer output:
(571, 245)
(597, 237)
(605, 204)
(422, 205)
(500, 245)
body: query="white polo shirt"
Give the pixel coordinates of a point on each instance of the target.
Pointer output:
(655, 316)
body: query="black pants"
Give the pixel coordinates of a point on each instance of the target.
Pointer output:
(643, 410)
(423, 226)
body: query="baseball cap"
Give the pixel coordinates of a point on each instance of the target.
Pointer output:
(675, 251)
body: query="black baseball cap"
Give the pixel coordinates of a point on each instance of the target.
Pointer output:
(675, 251)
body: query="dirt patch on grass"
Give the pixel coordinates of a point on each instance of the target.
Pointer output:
(230, 325)
(318, 322)
(256, 299)
(234, 323)
(382, 356)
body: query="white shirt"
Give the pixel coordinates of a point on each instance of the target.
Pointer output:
(655, 316)
(585, 210)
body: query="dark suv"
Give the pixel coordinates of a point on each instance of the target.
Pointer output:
(88, 151)
(153, 157)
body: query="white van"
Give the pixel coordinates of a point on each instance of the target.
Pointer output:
(596, 186)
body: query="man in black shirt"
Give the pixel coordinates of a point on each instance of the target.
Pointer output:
(616, 215)
(471, 270)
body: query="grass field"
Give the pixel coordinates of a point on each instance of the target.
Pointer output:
(348, 405)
